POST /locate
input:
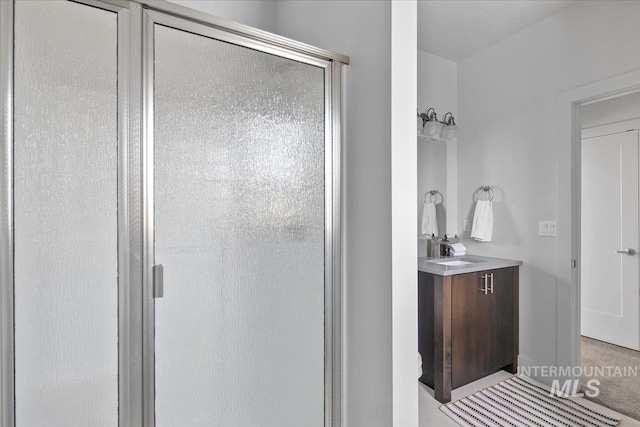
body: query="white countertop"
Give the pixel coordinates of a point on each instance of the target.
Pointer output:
(476, 263)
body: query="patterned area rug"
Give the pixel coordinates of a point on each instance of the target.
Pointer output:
(521, 402)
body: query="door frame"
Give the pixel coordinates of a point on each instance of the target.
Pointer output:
(189, 20)
(568, 298)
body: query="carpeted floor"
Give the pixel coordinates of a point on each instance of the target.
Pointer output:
(620, 393)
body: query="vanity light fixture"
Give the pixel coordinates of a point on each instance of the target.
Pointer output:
(434, 128)
(449, 129)
(431, 126)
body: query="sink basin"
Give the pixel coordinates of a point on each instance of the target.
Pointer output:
(454, 263)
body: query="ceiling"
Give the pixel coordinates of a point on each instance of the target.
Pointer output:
(456, 29)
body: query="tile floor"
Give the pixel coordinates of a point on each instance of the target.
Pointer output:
(431, 416)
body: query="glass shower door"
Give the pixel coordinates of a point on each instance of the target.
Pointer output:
(66, 214)
(239, 223)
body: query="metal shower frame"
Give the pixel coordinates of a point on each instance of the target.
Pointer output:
(136, 370)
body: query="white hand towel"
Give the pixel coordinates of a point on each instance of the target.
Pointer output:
(429, 219)
(458, 248)
(482, 228)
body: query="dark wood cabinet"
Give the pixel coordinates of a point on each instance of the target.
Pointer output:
(467, 326)
(468, 310)
(501, 322)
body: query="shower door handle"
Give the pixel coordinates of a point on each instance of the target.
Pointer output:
(158, 281)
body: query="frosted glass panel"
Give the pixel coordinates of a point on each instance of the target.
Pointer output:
(239, 211)
(66, 336)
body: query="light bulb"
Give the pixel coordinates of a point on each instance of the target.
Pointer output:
(449, 132)
(432, 128)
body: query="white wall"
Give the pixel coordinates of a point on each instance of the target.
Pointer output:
(437, 84)
(438, 88)
(403, 186)
(260, 14)
(507, 105)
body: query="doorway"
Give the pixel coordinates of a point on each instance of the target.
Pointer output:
(569, 257)
(568, 298)
(609, 262)
(609, 228)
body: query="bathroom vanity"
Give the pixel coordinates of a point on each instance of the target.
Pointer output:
(467, 320)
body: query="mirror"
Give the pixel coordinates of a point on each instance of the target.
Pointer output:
(437, 163)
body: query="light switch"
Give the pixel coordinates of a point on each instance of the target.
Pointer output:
(548, 228)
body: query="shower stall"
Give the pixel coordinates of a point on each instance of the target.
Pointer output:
(170, 219)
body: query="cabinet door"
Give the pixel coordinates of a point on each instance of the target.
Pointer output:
(467, 329)
(500, 320)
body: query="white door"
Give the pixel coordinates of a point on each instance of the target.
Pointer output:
(609, 272)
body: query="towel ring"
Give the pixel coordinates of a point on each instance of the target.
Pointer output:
(433, 196)
(486, 189)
